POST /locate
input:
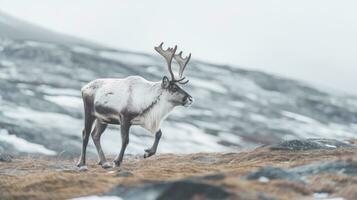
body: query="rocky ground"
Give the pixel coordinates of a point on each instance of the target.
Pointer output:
(296, 169)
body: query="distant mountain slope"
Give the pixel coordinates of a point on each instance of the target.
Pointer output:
(17, 29)
(41, 107)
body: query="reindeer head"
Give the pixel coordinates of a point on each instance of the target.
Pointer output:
(176, 94)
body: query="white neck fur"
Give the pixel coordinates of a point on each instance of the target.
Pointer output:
(158, 112)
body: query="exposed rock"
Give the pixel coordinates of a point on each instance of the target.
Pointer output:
(272, 173)
(184, 189)
(310, 144)
(124, 174)
(5, 158)
(262, 196)
(206, 159)
(345, 167)
(213, 177)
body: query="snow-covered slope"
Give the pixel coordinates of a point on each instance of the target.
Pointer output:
(41, 107)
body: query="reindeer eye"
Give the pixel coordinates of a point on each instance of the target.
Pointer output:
(174, 88)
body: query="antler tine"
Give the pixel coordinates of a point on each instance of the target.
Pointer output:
(182, 62)
(184, 82)
(181, 80)
(168, 55)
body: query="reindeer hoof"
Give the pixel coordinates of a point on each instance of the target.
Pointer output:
(80, 164)
(106, 165)
(83, 168)
(116, 163)
(148, 153)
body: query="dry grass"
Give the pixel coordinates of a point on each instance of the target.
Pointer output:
(49, 178)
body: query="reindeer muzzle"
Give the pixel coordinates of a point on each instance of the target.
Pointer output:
(188, 101)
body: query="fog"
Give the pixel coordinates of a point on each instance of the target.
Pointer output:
(313, 41)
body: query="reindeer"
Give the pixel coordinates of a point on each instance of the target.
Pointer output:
(132, 101)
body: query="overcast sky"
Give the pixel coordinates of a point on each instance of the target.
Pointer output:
(311, 40)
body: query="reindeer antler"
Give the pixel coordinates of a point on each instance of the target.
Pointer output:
(183, 63)
(169, 54)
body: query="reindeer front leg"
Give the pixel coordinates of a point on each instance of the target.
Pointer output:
(124, 130)
(152, 150)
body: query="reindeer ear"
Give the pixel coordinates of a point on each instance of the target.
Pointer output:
(165, 82)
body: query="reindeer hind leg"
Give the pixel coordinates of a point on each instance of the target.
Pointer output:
(88, 123)
(96, 134)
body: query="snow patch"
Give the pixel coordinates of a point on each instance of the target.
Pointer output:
(67, 101)
(84, 50)
(238, 104)
(28, 92)
(209, 85)
(59, 91)
(177, 133)
(300, 118)
(258, 117)
(126, 57)
(321, 195)
(31, 43)
(72, 126)
(198, 112)
(263, 179)
(7, 63)
(330, 146)
(22, 145)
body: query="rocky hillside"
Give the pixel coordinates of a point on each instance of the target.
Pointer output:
(296, 169)
(41, 74)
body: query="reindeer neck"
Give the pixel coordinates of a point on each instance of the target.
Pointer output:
(159, 107)
(150, 107)
(157, 111)
(155, 89)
